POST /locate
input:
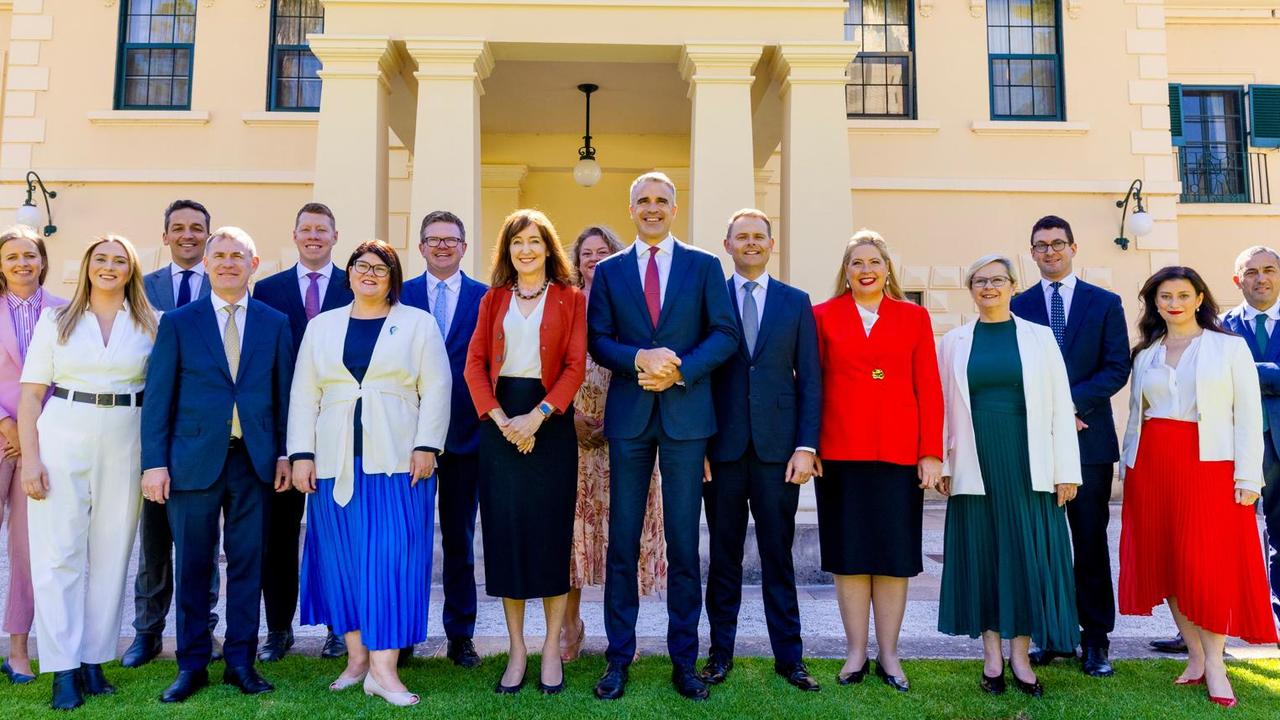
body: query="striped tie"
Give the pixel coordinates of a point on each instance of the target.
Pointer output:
(231, 344)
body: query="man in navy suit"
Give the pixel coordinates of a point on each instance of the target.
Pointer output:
(661, 320)
(454, 300)
(305, 290)
(1088, 323)
(213, 444)
(1257, 274)
(768, 400)
(186, 229)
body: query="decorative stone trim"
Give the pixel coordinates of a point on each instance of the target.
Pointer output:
(861, 126)
(280, 119)
(149, 117)
(1028, 127)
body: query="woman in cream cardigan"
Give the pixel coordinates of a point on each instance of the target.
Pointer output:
(1012, 463)
(1193, 470)
(367, 417)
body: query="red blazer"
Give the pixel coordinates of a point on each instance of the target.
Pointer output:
(564, 347)
(881, 396)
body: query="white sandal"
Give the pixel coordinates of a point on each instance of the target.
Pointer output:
(343, 682)
(399, 699)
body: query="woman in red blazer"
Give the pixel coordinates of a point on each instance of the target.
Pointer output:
(524, 365)
(881, 446)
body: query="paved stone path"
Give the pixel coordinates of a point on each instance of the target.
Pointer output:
(823, 633)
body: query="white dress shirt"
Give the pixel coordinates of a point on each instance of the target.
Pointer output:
(304, 282)
(1250, 314)
(85, 363)
(759, 293)
(523, 356)
(869, 318)
(1067, 291)
(241, 312)
(1170, 393)
(196, 278)
(663, 258)
(452, 291)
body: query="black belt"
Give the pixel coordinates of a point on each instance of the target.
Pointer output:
(106, 400)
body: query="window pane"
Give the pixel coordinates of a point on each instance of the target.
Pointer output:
(873, 38)
(135, 91)
(997, 12)
(853, 13)
(158, 91)
(311, 93)
(1020, 40)
(182, 62)
(289, 7)
(1019, 12)
(1020, 72)
(185, 30)
(1216, 129)
(312, 25)
(1213, 104)
(853, 99)
(1000, 72)
(1190, 104)
(135, 62)
(1044, 13)
(287, 92)
(161, 29)
(1046, 100)
(997, 41)
(287, 31)
(1044, 42)
(854, 34)
(139, 29)
(1042, 73)
(312, 8)
(877, 99)
(161, 62)
(1020, 101)
(310, 65)
(896, 71)
(139, 7)
(855, 72)
(181, 91)
(162, 7)
(288, 65)
(896, 12)
(896, 103)
(876, 73)
(186, 7)
(873, 12)
(1002, 100)
(899, 39)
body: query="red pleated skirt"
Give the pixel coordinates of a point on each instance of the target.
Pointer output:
(1184, 536)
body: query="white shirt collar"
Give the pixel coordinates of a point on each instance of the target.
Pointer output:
(739, 281)
(1250, 312)
(302, 270)
(453, 283)
(219, 303)
(666, 247)
(176, 269)
(1069, 282)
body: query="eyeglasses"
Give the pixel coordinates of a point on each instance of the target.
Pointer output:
(1042, 248)
(364, 268)
(448, 242)
(997, 282)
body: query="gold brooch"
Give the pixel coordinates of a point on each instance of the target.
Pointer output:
(877, 374)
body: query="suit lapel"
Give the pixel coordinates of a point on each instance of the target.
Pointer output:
(631, 278)
(1079, 309)
(252, 335)
(960, 362)
(737, 313)
(293, 296)
(675, 280)
(773, 299)
(1033, 307)
(207, 327)
(164, 287)
(469, 296)
(333, 295)
(9, 335)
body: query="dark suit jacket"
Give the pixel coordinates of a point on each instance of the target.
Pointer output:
(1268, 370)
(464, 435)
(1096, 349)
(696, 322)
(186, 412)
(158, 285)
(281, 291)
(772, 397)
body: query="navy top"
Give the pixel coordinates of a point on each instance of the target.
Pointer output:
(357, 351)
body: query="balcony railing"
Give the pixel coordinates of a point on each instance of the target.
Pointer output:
(1210, 176)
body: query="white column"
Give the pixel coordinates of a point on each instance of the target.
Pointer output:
(446, 153)
(721, 167)
(351, 143)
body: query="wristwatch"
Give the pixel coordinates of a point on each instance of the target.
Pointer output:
(546, 409)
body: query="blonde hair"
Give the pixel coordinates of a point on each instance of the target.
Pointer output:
(23, 232)
(231, 232)
(866, 236)
(986, 260)
(135, 296)
(749, 213)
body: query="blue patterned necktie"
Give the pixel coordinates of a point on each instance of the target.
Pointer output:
(440, 308)
(184, 288)
(1057, 314)
(750, 315)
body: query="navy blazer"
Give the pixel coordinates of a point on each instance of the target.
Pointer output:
(774, 396)
(158, 285)
(186, 412)
(464, 426)
(1096, 350)
(696, 322)
(1268, 369)
(282, 292)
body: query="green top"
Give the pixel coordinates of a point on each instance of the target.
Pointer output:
(995, 369)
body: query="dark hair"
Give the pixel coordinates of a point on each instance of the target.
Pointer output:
(503, 273)
(1151, 327)
(22, 232)
(1052, 222)
(316, 208)
(442, 216)
(388, 254)
(177, 205)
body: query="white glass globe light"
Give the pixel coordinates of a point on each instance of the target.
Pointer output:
(1140, 223)
(30, 216)
(587, 172)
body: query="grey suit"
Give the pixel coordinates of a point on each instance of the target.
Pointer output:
(153, 587)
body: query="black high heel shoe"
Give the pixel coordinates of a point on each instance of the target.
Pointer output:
(993, 685)
(855, 677)
(1033, 689)
(897, 683)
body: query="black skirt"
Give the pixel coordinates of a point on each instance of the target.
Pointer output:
(526, 501)
(869, 518)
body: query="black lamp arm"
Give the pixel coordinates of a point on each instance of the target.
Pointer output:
(586, 152)
(1135, 192)
(32, 180)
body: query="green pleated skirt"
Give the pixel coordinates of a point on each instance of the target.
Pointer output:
(1007, 554)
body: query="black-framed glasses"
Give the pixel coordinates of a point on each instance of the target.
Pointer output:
(997, 282)
(448, 242)
(364, 268)
(1041, 248)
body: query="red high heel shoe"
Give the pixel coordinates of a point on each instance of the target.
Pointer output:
(1189, 681)
(1224, 702)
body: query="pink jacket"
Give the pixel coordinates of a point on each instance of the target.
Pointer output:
(10, 360)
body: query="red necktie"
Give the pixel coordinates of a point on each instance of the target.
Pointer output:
(652, 289)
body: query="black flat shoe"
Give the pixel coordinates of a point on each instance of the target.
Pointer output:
(188, 683)
(1174, 645)
(278, 643)
(992, 685)
(1033, 689)
(716, 670)
(855, 677)
(1040, 656)
(246, 680)
(1094, 662)
(335, 646)
(688, 684)
(797, 674)
(66, 690)
(897, 683)
(144, 649)
(14, 676)
(612, 683)
(463, 653)
(93, 682)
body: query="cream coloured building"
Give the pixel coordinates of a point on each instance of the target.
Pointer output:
(960, 123)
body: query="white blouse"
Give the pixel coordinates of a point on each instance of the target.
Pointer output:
(523, 358)
(1170, 393)
(869, 318)
(85, 363)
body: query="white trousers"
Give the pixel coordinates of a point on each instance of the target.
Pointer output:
(82, 532)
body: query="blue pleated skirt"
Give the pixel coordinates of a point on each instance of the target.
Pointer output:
(367, 566)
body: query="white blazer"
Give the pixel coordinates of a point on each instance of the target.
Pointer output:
(1229, 401)
(405, 396)
(1051, 417)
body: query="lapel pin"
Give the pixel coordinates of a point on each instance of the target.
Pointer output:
(392, 330)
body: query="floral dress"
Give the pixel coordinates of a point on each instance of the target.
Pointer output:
(591, 515)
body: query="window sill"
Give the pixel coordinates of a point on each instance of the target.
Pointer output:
(864, 126)
(1029, 127)
(1228, 209)
(149, 117)
(280, 118)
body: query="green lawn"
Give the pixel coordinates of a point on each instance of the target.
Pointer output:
(940, 689)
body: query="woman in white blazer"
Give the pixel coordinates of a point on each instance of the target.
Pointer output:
(1192, 466)
(368, 415)
(1012, 462)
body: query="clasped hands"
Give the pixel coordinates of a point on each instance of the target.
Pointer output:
(519, 430)
(659, 369)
